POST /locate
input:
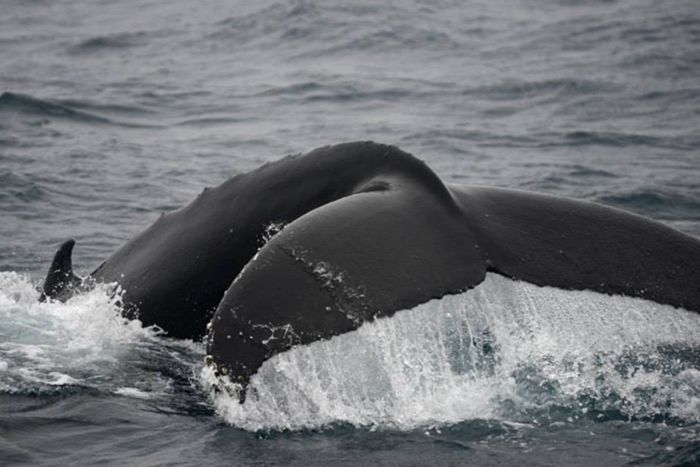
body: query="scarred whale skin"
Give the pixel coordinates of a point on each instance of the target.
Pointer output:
(369, 230)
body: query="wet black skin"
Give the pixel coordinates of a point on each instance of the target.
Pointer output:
(369, 230)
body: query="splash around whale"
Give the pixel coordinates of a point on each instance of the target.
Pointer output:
(313, 246)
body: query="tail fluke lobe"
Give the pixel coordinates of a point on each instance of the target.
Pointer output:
(61, 281)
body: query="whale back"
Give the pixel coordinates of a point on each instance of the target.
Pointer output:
(175, 273)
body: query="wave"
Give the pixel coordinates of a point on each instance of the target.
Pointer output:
(297, 23)
(19, 187)
(209, 120)
(580, 171)
(69, 110)
(554, 139)
(22, 103)
(556, 88)
(655, 203)
(505, 350)
(614, 139)
(99, 44)
(339, 92)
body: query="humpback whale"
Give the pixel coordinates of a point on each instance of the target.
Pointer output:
(366, 230)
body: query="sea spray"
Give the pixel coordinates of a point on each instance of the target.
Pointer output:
(57, 344)
(505, 350)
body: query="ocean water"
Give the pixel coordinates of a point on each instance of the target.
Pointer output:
(113, 112)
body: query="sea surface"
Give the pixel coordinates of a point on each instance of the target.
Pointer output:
(114, 112)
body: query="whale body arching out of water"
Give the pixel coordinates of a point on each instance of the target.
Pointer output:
(367, 230)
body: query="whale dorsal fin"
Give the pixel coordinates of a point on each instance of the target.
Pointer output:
(60, 280)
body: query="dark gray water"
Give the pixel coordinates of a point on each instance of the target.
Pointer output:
(113, 112)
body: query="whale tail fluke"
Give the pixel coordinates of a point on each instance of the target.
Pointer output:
(61, 281)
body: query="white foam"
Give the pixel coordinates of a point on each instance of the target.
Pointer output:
(58, 343)
(496, 351)
(133, 393)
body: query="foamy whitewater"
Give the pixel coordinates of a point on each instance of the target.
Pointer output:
(499, 351)
(77, 343)
(505, 350)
